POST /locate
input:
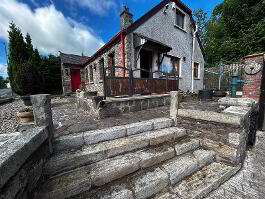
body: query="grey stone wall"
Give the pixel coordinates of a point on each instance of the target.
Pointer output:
(66, 79)
(109, 108)
(97, 84)
(21, 162)
(161, 27)
(100, 108)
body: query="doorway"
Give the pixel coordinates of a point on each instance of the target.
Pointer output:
(75, 76)
(146, 63)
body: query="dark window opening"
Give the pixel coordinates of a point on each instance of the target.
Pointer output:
(91, 73)
(86, 74)
(146, 63)
(180, 18)
(111, 64)
(196, 70)
(101, 68)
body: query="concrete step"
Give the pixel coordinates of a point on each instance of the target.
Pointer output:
(100, 173)
(92, 137)
(201, 183)
(97, 152)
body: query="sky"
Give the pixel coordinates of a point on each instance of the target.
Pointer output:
(73, 26)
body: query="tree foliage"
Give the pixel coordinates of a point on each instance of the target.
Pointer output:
(29, 73)
(236, 29)
(3, 83)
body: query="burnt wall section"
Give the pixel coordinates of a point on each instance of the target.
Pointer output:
(21, 162)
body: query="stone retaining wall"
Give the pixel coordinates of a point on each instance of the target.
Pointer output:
(112, 107)
(21, 162)
(24, 154)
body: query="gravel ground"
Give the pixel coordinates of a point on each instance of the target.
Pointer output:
(8, 120)
(67, 119)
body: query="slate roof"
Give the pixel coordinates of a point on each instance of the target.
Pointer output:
(75, 60)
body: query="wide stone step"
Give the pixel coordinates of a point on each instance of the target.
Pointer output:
(225, 153)
(201, 183)
(96, 136)
(106, 171)
(97, 152)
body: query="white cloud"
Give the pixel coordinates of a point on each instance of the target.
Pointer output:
(3, 68)
(97, 6)
(50, 30)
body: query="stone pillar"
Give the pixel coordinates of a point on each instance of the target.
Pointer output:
(174, 104)
(41, 105)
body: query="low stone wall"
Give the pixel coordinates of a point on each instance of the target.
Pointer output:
(96, 106)
(227, 130)
(24, 154)
(22, 160)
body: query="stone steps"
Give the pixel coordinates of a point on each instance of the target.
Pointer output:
(97, 152)
(76, 141)
(201, 183)
(129, 170)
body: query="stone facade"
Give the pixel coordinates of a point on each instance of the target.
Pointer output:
(253, 86)
(97, 84)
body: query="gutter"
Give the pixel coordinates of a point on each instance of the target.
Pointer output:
(192, 60)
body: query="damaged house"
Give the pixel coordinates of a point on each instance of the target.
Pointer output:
(162, 42)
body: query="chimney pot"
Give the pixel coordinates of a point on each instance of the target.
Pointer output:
(126, 18)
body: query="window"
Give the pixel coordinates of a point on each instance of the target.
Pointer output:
(177, 66)
(91, 74)
(101, 68)
(86, 75)
(171, 66)
(111, 63)
(180, 19)
(196, 70)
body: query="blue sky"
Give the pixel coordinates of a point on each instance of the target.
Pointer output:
(73, 26)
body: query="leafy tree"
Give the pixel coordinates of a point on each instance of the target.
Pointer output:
(237, 28)
(202, 22)
(3, 83)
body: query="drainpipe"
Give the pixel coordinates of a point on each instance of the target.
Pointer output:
(122, 62)
(192, 62)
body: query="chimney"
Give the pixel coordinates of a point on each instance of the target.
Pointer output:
(126, 18)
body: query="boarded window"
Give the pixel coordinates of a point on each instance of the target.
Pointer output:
(196, 70)
(180, 19)
(101, 68)
(91, 79)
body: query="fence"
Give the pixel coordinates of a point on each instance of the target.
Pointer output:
(130, 85)
(219, 78)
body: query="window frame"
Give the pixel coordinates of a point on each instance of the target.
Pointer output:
(91, 75)
(178, 11)
(198, 70)
(101, 69)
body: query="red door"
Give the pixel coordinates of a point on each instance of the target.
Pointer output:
(75, 75)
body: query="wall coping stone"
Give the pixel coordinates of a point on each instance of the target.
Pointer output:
(211, 116)
(15, 152)
(228, 101)
(135, 98)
